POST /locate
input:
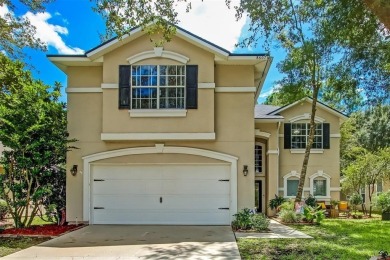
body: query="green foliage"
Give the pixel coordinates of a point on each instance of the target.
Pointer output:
(355, 199)
(276, 202)
(313, 214)
(259, 222)
(246, 219)
(383, 201)
(242, 219)
(3, 209)
(334, 203)
(287, 205)
(333, 239)
(289, 216)
(311, 201)
(33, 128)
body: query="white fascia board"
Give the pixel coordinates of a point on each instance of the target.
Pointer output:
(263, 77)
(156, 136)
(269, 120)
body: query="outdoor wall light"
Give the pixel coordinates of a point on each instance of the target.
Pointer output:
(73, 170)
(245, 171)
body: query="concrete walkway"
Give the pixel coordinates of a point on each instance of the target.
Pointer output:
(277, 230)
(128, 242)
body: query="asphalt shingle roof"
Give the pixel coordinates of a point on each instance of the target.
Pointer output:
(265, 112)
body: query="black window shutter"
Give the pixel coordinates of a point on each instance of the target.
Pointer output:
(287, 136)
(124, 86)
(192, 86)
(326, 135)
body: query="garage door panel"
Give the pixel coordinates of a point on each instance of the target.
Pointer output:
(166, 217)
(136, 202)
(196, 203)
(198, 187)
(127, 187)
(195, 172)
(118, 172)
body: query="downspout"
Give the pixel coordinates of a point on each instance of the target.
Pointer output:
(277, 168)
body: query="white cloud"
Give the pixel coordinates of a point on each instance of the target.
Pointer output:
(50, 33)
(4, 10)
(273, 89)
(213, 21)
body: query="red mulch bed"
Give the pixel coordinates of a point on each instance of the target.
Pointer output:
(43, 230)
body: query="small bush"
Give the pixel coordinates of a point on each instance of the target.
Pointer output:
(313, 214)
(383, 201)
(311, 201)
(243, 220)
(247, 219)
(288, 205)
(3, 209)
(259, 222)
(289, 216)
(355, 199)
(276, 202)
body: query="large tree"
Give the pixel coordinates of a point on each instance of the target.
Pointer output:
(33, 128)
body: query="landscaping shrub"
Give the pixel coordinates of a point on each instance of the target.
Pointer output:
(3, 209)
(313, 214)
(259, 222)
(276, 202)
(354, 200)
(289, 216)
(383, 201)
(288, 205)
(243, 219)
(311, 201)
(246, 219)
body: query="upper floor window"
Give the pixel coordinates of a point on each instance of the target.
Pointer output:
(300, 136)
(158, 86)
(296, 135)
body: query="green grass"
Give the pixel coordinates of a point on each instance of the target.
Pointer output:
(12, 245)
(333, 239)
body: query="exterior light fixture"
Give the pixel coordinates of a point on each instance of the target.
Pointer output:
(73, 170)
(245, 171)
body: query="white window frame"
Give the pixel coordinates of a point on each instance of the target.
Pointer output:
(262, 158)
(321, 174)
(376, 187)
(158, 87)
(306, 135)
(293, 175)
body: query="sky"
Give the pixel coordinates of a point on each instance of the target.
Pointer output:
(71, 27)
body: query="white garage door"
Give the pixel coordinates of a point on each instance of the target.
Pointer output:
(161, 194)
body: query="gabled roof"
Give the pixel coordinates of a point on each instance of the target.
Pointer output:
(262, 112)
(94, 56)
(310, 100)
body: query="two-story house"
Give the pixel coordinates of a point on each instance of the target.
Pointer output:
(171, 135)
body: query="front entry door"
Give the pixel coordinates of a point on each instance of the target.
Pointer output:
(259, 196)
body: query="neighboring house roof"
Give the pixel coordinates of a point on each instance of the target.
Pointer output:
(94, 57)
(310, 100)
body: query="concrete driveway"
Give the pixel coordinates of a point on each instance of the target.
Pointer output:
(137, 242)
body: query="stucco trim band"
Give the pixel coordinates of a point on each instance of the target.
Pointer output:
(206, 85)
(303, 151)
(158, 113)
(158, 148)
(156, 136)
(158, 53)
(235, 89)
(84, 90)
(109, 85)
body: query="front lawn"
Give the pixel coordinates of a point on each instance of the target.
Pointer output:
(10, 245)
(333, 239)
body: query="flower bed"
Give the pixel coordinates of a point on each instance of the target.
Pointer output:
(43, 230)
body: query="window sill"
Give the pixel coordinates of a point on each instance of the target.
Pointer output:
(158, 113)
(303, 151)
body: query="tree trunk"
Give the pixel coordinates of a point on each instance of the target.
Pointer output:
(309, 143)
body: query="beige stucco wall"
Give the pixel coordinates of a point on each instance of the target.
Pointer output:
(230, 115)
(84, 77)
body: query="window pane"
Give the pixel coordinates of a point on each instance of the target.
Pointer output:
(319, 187)
(292, 187)
(258, 158)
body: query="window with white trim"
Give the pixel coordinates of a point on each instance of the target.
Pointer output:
(259, 158)
(300, 135)
(158, 86)
(363, 194)
(292, 187)
(319, 187)
(379, 187)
